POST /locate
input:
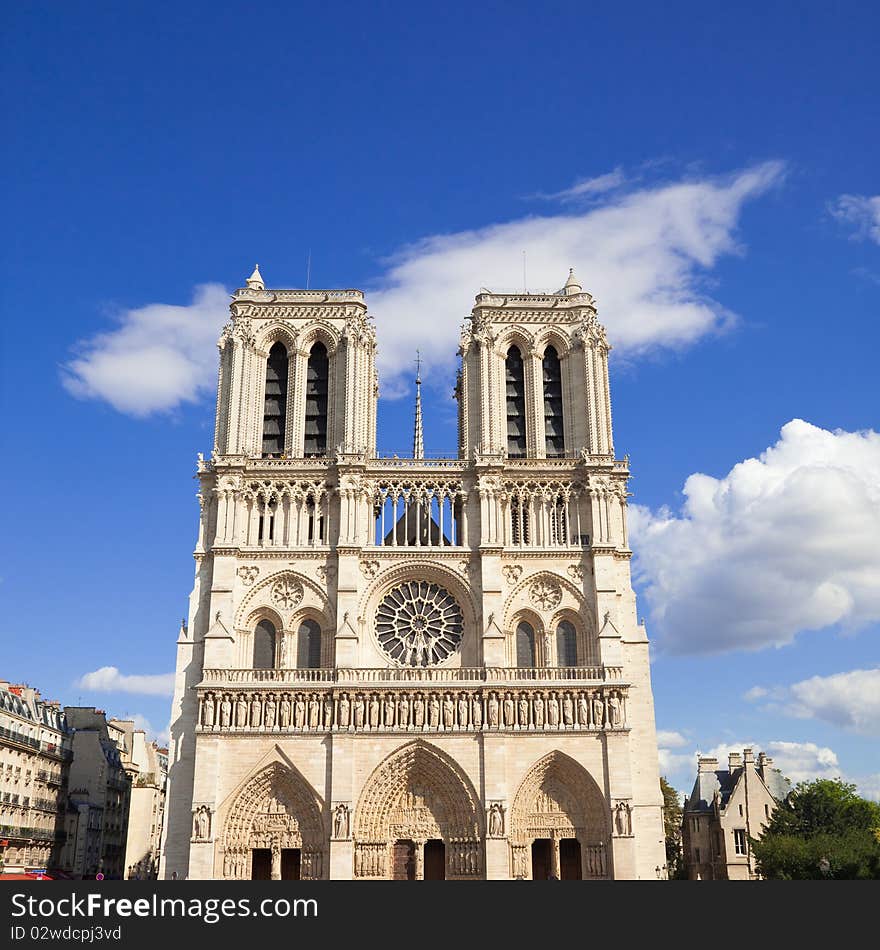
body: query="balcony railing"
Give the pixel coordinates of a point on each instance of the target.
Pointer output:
(453, 675)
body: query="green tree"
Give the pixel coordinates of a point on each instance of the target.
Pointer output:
(823, 829)
(672, 830)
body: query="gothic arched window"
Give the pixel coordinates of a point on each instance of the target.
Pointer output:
(264, 645)
(514, 376)
(525, 644)
(554, 434)
(317, 374)
(566, 644)
(275, 403)
(308, 645)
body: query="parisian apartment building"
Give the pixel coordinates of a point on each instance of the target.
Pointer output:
(728, 807)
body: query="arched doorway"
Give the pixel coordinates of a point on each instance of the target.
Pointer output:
(418, 818)
(559, 823)
(274, 830)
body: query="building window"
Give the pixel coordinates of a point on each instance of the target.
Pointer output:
(317, 374)
(519, 521)
(566, 644)
(697, 855)
(525, 645)
(696, 824)
(740, 810)
(264, 645)
(275, 402)
(308, 654)
(766, 811)
(516, 403)
(739, 840)
(553, 429)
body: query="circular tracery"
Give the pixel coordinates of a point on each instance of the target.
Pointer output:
(419, 623)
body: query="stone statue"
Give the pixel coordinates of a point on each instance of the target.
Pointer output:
(434, 711)
(463, 718)
(314, 711)
(622, 819)
(256, 712)
(548, 648)
(493, 710)
(615, 710)
(299, 713)
(568, 710)
(203, 820)
(270, 712)
(496, 821)
(344, 711)
(209, 711)
(374, 711)
(509, 711)
(403, 711)
(389, 711)
(598, 711)
(523, 711)
(448, 712)
(284, 712)
(328, 712)
(477, 712)
(583, 710)
(359, 711)
(340, 821)
(538, 710)
(419, 711)
(553, 710)
(241, 711)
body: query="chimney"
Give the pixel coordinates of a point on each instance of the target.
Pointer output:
(748, 757)
(765, 764)
(734, 761)
(707, 763)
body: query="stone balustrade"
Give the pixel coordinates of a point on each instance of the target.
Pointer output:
(393, 675)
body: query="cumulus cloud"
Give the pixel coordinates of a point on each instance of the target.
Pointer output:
(848, 700)
(158, 357)
(644, 252)
(108, 679)
(670, 739)
(861, 213)
(783, 543)
(798, 761)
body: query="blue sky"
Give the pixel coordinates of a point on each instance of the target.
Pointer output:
(711, 175)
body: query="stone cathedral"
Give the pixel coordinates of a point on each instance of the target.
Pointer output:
(412, 668)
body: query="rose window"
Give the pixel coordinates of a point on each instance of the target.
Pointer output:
(419, 624)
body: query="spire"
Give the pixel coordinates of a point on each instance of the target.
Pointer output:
(418, 436)
(572, 285)
(255, 281)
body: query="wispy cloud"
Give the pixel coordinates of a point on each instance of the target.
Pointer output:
(782, 543)
(108, 679)
(861, 213)
(644, 252)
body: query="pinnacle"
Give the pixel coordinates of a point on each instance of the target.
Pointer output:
(255, 281)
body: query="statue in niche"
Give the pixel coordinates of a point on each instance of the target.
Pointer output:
(615, 710)
(509, 711)
(598, 711)
(493, 710)
(256, 712)
(299, 711)
(434, 711)
(202, 823)
(282, 651)
(225, 711)
(548, 648)
(328, 712)
(523, 711)
(448, 711)
(314, 711)
(358, 710)
(344, 711)
(419, 711)
(553, 710)
(374, 711)
(496, 821)
(389, 711)
(583, 710)
(209, 711)
(463, 718)
(284, 711)
(568, 710)
(538, 710)
(403, 711)
(270, 712)
(241, 711)
(477, 712)
(622, 819)
(340, 821)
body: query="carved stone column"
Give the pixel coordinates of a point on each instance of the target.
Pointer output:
(420, 860)
(555, 866)
(276, 862)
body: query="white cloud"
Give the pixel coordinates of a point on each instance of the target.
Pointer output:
(783, 543)
(670, 739)
(848, 700)
(587, 187)
(160, 356)
(108, 679)
(862, 212)
(644, 253)
(798, 761)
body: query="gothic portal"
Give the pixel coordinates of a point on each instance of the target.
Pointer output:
(412, 668)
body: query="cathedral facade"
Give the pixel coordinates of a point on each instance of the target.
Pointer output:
(412, 668)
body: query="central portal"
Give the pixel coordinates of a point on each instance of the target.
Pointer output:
(435, 860)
